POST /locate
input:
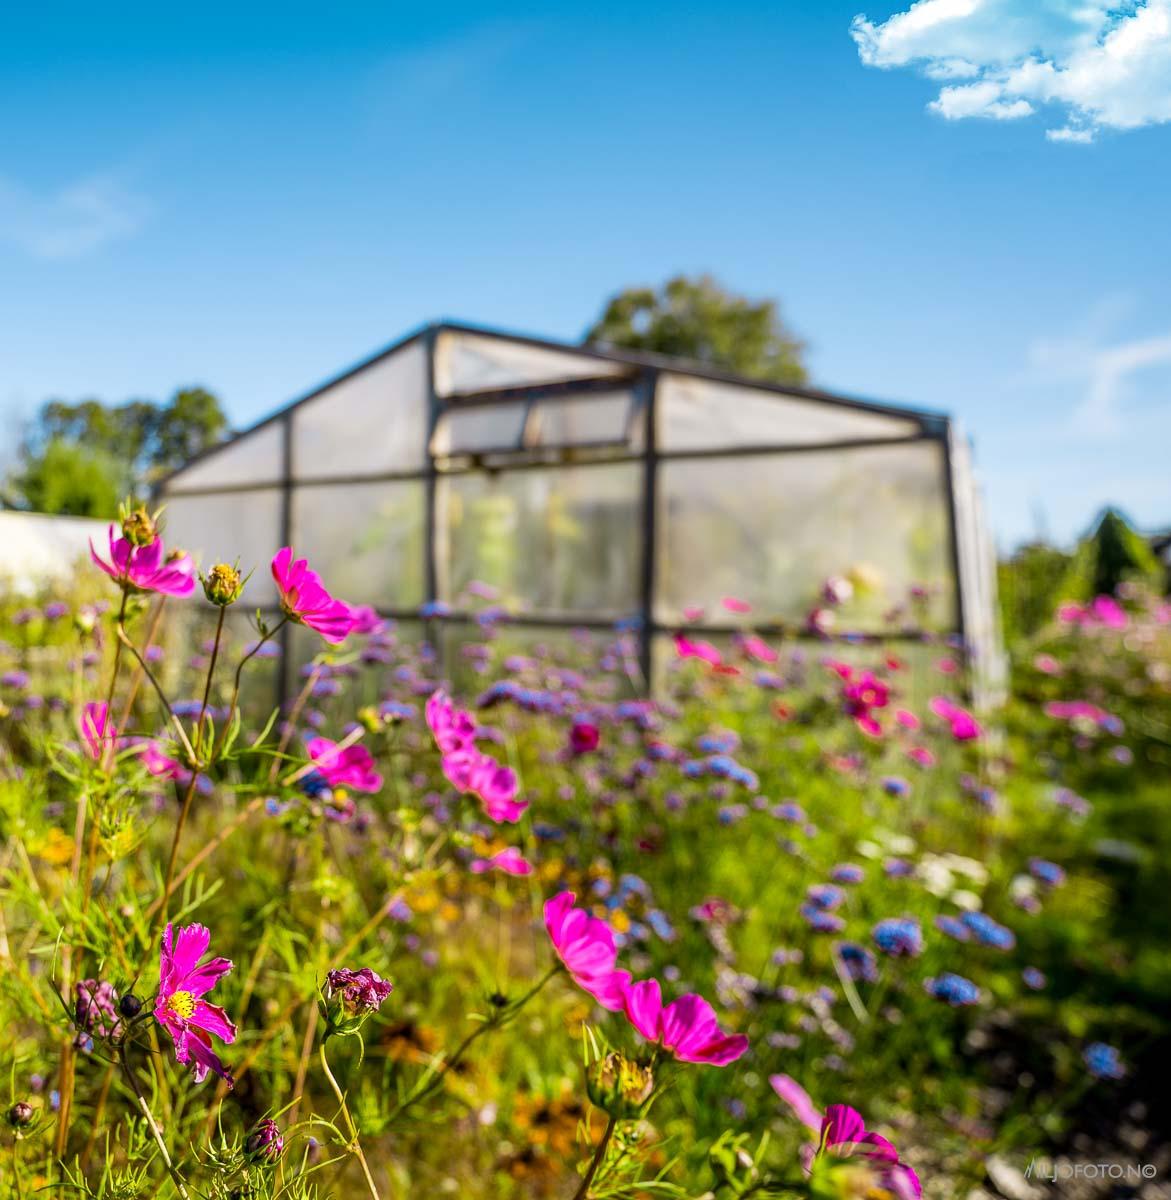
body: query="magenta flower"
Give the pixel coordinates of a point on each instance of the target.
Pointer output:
(584, 737)
(735, 605)
(351, 767)
(305, 600)
(757, 648)
(360, 992)
(163, 766)
(96, 728)
(180, 1008)
(146, 568)
(585, 946)
(510, 861)
(687, 647)
(964, 727)
(466, 767)
(452, 728)
(842, 1133)
(687, 1027)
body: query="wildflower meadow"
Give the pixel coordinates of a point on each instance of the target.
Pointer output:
(485, 916)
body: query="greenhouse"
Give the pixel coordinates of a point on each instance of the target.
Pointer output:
(588, 488)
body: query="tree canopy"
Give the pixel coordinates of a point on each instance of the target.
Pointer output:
(80, 457)
(699, 320)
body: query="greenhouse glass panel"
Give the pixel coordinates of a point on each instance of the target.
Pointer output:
(372, 422)
(597, 420)
(770, 529)
(551, 540)
(230, 526)
(480, 429)
(256, 457)
(470, 362)
(366, 539)
(702, 414)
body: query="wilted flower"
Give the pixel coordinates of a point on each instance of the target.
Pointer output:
(20, 1115)
(95, 1011)
(96, 728)
(352, 996)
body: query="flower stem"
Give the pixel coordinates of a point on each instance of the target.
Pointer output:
(596, 1162)
(195, 768)
(428, 1085)
(152, 1124)
(355, 1147)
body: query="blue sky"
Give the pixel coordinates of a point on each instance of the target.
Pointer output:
(961, 204)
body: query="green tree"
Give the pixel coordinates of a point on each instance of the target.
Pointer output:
(698, 320)
(67, 478)
(128, 445)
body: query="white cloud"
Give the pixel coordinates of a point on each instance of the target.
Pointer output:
(1105, 65)
(69, 223)
(1103, 374)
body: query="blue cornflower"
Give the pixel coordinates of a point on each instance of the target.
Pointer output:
(900, 937)
(1103, 1061)
(953, 989)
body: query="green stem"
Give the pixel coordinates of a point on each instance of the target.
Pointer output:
(429, 1084)
(596, 1162)
(195, 767)
(355, 1146)
(152, 1124)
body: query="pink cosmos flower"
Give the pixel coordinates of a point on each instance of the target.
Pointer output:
(735, 605)
(452, 728)
(146, 568)
(842, 1133)
(921, 756)
(687, 1027)
(366, 619)
(352, 767)
(95, 728)
(687, 647)
(585, 946)
(693, 613)
(180, 1008)
(758, 649)
(906, 719)
(964, 727)
(1104, 611)
(162, 766)
(510, 861)
(305, 600)
(467, 768)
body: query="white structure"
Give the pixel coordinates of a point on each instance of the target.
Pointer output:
(36, 549)
(591, 486)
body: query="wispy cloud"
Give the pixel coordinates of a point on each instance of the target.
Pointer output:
(1105, 375)
(1100, 64)
(74, 221)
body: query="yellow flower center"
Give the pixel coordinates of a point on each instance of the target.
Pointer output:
(182, 1004)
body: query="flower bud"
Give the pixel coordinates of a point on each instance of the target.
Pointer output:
(20, 1115)
(619, 1086)
(222, 584)
(265, 1143)
(138, 527)
(130, 1006)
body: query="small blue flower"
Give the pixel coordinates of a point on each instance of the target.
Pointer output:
(1104, 1061)
(900, 937)
(953, 989)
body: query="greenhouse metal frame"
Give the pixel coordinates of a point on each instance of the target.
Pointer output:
(456, 402)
